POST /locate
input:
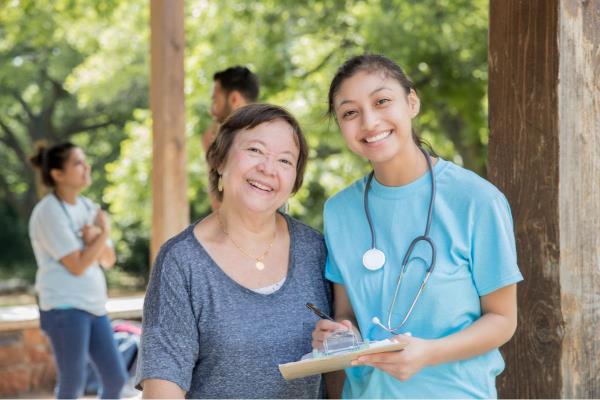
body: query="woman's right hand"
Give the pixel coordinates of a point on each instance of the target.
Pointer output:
(325, 328)
(103, 222)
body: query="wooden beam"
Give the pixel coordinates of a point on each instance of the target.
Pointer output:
(544, 154)
(170, 208)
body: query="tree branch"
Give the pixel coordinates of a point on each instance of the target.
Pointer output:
(319, 66)
(11, 141)
(24, 104)
(78, 126)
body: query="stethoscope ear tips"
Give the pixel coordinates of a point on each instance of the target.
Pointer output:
(376, 321)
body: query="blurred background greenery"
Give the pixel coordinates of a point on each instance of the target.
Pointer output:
(78, 70)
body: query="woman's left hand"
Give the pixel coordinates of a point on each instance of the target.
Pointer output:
(89, 233)
(404, 363)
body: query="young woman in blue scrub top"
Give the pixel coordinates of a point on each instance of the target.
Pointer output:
(451, 293)
(70, 239)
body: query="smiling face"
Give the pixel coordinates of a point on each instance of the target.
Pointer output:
(260, 170)
(75, 173)
(375, 115)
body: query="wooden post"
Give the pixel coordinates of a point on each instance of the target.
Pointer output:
(544, 154)
(170, 208)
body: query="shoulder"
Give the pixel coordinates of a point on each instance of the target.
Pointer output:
(48, 203)
(175, 252)
(463, 183)
(302, 232)
(349, 197)
(308, 247)
(45, 209)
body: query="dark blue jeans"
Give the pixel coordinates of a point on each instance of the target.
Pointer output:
(77, 336)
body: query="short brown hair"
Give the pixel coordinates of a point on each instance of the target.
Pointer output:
(249, 117)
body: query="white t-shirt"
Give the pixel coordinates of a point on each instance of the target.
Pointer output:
(55, 231)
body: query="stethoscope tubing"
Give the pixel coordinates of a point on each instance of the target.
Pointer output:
(425, 237)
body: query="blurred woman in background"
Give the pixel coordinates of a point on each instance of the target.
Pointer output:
(70, 239)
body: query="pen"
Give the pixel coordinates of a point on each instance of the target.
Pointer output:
(320, 313)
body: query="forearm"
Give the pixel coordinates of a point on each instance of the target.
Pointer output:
(342, 308)
(161, 389)
(78, 262)
(487, 333)
(107, 257)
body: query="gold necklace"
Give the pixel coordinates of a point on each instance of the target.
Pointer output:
(260, 265)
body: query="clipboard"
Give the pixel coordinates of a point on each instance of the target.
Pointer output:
(335, 362)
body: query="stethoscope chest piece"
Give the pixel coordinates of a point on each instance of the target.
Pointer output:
(373, 259)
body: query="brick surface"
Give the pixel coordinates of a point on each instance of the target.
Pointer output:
(39, 354)
(14, 381)
(26, 363)
(12, 355)
(43, 377)
(35, 336)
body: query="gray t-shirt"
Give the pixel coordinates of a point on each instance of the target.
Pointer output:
(217, 339)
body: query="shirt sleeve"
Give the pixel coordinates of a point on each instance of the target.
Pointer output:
(493, 250)
(170, 339)
(55, 233)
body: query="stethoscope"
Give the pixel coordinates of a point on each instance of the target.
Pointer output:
(374, 259)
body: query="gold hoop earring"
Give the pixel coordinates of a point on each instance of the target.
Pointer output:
(220, 183)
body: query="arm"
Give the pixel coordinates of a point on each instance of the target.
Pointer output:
(169, 345)
(96, 248)
(89, 232)
(108, 257)
(78, 261)
(495, 327)
(334, 381)
(161, 389)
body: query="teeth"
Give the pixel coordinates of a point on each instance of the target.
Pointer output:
(260, 186)
(376, 138)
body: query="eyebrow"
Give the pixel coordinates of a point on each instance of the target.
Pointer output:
(265, 145)
(370, 94)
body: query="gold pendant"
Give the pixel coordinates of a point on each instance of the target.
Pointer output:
(260, 266)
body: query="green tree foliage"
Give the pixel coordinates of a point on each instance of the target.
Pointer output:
(295, 47)
(65, 74)
(76, 69)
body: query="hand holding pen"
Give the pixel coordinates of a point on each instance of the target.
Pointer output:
(318, 312)
(325, 327)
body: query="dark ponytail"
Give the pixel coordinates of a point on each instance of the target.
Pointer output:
(54, 157)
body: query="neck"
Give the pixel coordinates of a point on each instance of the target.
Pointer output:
(407, 167)
(66, 194)
(247, 227)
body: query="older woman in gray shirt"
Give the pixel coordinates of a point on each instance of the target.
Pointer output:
(225, 303)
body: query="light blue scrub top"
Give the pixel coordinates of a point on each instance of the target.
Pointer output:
(473, 233)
